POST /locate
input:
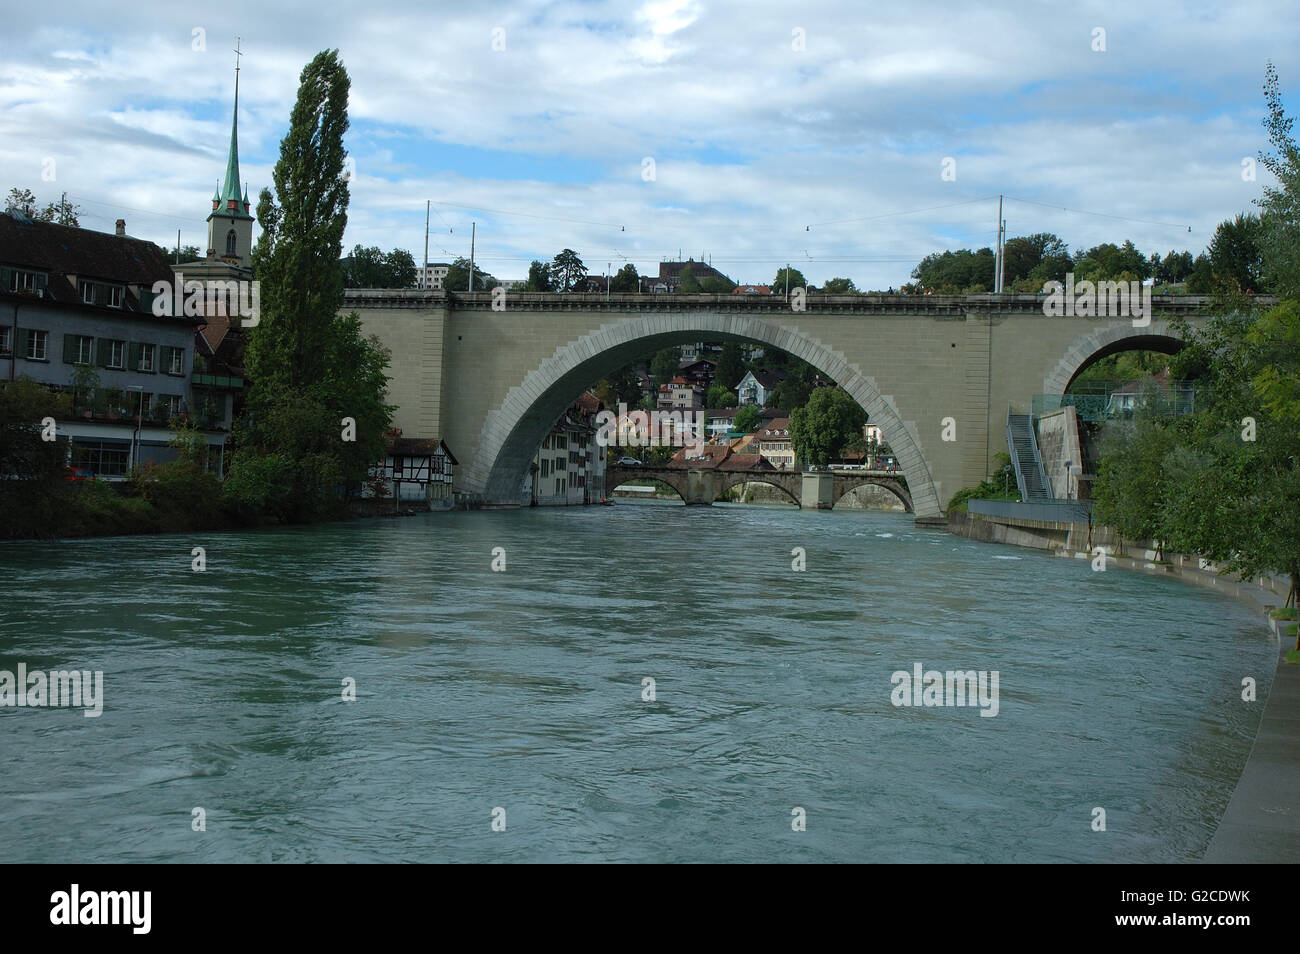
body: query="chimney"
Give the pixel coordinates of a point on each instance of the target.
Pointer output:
(119, 227)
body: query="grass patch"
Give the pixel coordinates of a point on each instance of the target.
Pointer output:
(1283, 612)
(1293, 657)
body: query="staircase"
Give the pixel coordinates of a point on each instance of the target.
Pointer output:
(1024, 456)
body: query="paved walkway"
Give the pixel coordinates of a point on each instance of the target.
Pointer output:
(1262, 823)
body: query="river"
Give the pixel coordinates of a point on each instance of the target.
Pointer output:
(518, 697)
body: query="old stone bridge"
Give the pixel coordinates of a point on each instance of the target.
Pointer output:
(936, 373)
(812, 490)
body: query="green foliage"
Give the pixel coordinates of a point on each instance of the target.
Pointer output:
(747, 419)
(373, 268)
(687, 283)
(952, 272)
(796, 280)
(664, 364)
(839, 286)
(719, 396)
(797, 387)
(1279, 235)
(716, 285)
(1235, 257)
(457, 278)
(731, 367)
(567, 270)
(1132, 488)
(1275, 340)
(625, 280)
(821, 428)
(539, 277)
(309, 366)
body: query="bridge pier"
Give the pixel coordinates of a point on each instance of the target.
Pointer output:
(817, 491)
(701, 488)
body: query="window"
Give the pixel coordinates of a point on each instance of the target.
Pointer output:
(145, 360)
(78, 349)
(101, 459)
(397, 467)
(168, 406)
(6, 340)
(230, 242)
(38, 345)
(25, 280)
(175, 360)
(99, 293)
(117, 354)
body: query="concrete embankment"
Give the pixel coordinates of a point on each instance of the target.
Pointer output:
(1262, 820)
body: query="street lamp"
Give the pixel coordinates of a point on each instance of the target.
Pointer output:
(1006, 480)
(1067, 479)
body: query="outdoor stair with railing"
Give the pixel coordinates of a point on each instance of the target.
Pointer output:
(1024, 456)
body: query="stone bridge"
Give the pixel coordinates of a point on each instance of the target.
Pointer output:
(813, 490)
(937, 373)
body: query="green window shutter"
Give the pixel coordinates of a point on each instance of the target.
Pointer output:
(6, 276)
(133, 359)
(103, 352)
(20, 346)
(69, 349)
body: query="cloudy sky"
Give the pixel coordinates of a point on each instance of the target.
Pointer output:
(750, 133)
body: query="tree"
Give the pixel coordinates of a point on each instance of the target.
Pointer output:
(716, 285)
(625, 280)
(62, 212)
(731, 367)
(719, 397)
(1133, 485)
(457, 278)
(839, 286)
(21, 200)
(747, 419)
(796, 387)
(664, 364)
(1279, 234)
(188, 253)
(687, 283)
(1200, 280)
(539, 277)
(820, 429)
(315, 417)
(30, 467)
(373, 268)
(567, 270)
(795, 277)
(1235, 256)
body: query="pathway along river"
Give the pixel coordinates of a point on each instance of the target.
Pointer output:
(522, 690)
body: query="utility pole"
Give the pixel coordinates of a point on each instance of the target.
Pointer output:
(473, 229)
(609, 267)
(787, 281)
(997, 261)
(178, 246)
(424, 275)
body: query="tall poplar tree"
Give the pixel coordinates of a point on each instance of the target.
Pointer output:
(310, 369)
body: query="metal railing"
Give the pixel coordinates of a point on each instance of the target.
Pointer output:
(1048, 511)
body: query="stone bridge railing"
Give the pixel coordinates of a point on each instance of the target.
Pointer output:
(813, 490)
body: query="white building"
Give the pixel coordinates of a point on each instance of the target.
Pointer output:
(431, 276)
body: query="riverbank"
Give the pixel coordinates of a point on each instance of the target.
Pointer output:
(1262, 821)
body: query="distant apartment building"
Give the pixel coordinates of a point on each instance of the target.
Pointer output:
(569, 467)
(432, 276)
(756, 387)
(670, 274)
(772, 442)
(79, 319)
(680, 395)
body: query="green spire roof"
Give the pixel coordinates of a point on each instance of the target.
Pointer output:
(230, 189)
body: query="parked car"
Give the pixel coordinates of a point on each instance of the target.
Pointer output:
(629, 462)
(78, 473)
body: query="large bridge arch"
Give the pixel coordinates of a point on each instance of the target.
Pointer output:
(847, 484)
(779, 482)
(512, 431)
(1099, 343)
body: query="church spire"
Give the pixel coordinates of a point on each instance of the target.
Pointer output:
(230, 201)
